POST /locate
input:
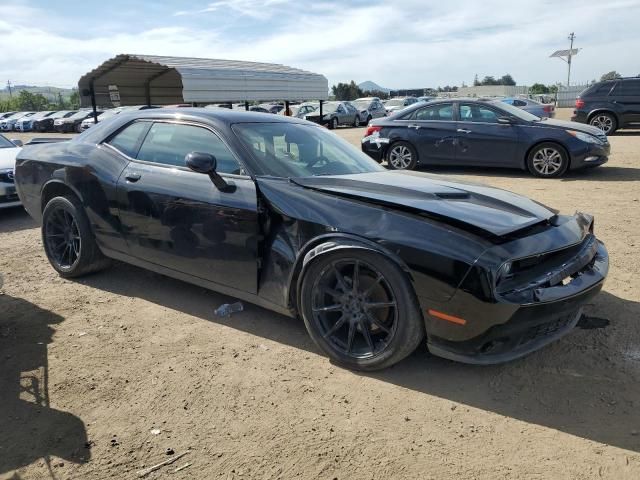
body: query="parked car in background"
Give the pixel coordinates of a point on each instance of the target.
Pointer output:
(7, 124)
(8, 152)
(89, 121)
(426, 99)
(72, 122)
(528, 105)
(46, 124)
(610, 105)
(4, 115)
(335, 114)
(259, 109)
(369, 108)
(483, 133)
(25, 124)
(290, 217)
(396, 104)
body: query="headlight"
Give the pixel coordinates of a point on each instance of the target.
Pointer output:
(585, 137)
(505, 270)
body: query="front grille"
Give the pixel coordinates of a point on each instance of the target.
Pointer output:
(6, 177)
(9, 198)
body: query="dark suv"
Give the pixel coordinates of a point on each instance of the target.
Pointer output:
(610, 105)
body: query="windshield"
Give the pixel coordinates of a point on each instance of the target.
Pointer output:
(293, 150)
(38, 115)
(329, 107)
(15, 116)
(79, 115)
(4, 143)
(395, 102)
(516, 112)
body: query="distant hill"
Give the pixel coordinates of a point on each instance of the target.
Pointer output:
(370, 86)
(50, 93)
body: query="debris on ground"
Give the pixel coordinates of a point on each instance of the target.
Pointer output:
(226, 309)
(147, 471)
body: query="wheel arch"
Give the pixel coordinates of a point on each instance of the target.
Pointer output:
(56, 188)
(327, 244)
(395, 139)
(595, 111)
(540, 142)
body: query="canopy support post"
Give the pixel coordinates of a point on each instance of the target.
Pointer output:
(246, 105)
(93, 103)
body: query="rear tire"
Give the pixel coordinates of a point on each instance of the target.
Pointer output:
(68, 240)
(356, 121)
(605, 122)
(333, 123)
(401, 156)
(547, 160)
(376, 320)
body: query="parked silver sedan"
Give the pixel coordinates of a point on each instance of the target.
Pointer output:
(399, 103)
(369, 108)
(334, 114)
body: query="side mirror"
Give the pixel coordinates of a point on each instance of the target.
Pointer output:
(206, 163)
(201, 162)
(17, 143)
(505, 120)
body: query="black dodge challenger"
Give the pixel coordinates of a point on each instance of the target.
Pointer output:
(284, 214)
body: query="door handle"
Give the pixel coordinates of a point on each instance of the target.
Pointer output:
(463, 130)
(133, 177)
(417, 127)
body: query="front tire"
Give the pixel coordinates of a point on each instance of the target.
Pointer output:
(360, 309)
(333, 124)
(402, 156)
(68, 240)
(605, 122)
(356, 121)
(547, 160)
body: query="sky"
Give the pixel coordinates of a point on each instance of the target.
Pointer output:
(397, 44)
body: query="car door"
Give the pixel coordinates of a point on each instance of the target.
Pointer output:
(176, 218)
(482, 140)
(432, 131)
(626, 95)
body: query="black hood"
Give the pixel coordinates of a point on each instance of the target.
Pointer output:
(490, 209)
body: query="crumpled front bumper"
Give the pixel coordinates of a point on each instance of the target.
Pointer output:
(534, 307)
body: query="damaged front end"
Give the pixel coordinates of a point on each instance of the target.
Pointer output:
(533, 294)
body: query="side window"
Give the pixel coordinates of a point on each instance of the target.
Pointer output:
(627, 88)
(441, 111)
(169, 143)
(519, 103)
(477, 113)
(128, 140)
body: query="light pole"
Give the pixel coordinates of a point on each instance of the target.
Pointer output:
(567, 55)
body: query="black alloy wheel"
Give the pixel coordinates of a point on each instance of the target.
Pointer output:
(68, 240)
(62, 237)
(360, 309)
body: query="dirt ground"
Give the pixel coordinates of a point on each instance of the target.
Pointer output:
(100, 376)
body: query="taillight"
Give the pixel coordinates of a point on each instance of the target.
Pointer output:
(547, 108)
(371, 130)
(579, 103)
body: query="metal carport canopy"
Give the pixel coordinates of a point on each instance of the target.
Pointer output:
(158, 80)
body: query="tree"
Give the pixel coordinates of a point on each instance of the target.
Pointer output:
(74, 99)
(476, 82)
(491, 80)
(612, 75)
(507, 80)
(538, 88)
(346, 91)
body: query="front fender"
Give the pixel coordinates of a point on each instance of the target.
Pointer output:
(326, 244)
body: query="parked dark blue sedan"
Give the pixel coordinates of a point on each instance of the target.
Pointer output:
(476, 132)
